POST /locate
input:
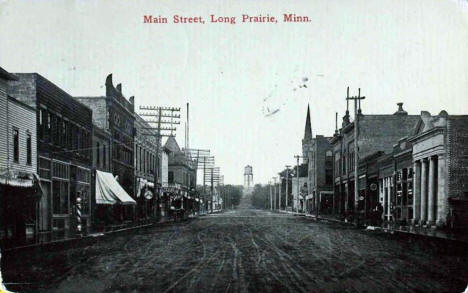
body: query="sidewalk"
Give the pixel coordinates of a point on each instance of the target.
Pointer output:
(405, 230)
(91, 237)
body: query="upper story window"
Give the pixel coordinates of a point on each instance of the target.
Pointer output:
(98, 151)
(16, 145)
(28, 148)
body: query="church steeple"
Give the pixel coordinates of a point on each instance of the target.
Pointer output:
(308, 127)
(307, 140)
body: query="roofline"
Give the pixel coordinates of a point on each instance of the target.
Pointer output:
(6, 75)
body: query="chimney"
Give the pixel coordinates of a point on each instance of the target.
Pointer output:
(336, 123)
(400, 110)
(119, 87)
(131, 100)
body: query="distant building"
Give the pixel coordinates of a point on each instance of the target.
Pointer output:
(299, 199)
(248, 179)
(320, 175)
(181, 168)
(182, 177)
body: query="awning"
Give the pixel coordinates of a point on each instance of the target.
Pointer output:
(19, 179)
(16, 179)
(108, 190)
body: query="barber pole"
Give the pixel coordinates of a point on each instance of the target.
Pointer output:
(78, 213)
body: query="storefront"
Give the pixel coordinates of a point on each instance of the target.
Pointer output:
(113, 204)
(19, 196)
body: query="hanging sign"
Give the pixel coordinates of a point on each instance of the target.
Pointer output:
(148, 194)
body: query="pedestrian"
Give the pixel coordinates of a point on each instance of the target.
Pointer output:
(379, 210)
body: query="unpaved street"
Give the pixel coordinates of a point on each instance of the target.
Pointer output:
(244, 251)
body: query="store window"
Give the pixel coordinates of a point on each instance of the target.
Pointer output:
(60, 187)
(60, 196)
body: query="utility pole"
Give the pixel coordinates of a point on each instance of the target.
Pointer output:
(213, 176)
(274, 193)
(271, 196)
(156, 131)
(280, 184)
(297, 178)
(203, 160)
(287, 187)
(356, 99)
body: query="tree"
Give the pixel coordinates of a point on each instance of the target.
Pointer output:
(261, 196)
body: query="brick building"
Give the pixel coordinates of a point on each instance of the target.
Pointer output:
(181, 168)
(115, 115)
(376, 133)
(320, 166)
(64, 135)
(182, 175)
(146, 164)
(440, 164)
(396, 182)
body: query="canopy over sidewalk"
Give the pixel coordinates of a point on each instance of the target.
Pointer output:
(108, 190)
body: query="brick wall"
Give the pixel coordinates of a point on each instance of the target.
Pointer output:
(99, 108)
(458, 156)
(24, 89)
(381, 132)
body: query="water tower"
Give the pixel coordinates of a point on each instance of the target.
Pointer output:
(248, 179)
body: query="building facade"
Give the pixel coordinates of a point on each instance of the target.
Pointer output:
(320, 174)
(376, 133)
(181, 177)
(147, 167)
(19, 193)
(114, 113)
(440, 164)
(64, 136)
(299, 187)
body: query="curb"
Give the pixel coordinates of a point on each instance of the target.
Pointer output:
(85, 240)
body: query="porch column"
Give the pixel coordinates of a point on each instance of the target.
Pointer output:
(424, 167)
(442, 198)
(387, 195)
(431, 192)
(416, 192)
(382, 190)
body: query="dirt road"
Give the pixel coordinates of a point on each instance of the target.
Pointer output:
(244, 251)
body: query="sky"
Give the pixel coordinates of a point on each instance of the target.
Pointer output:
(235, 76)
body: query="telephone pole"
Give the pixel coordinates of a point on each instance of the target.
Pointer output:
(297, 178)
(271, 196)
(159, 113)
(357, 112)
(274, 193)
(287, 189)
